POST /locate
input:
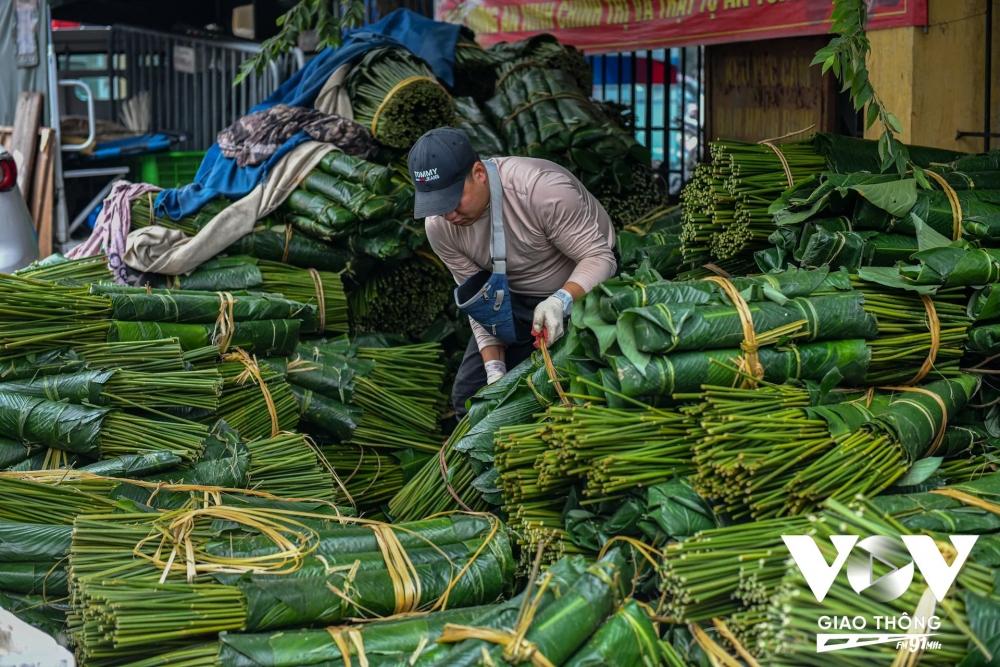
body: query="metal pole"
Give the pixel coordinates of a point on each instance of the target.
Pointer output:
(988, 92)
(61, 222)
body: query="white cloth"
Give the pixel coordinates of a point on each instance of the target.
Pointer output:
(21, 644)
(173, 253)
(112, 228)
(333, 98)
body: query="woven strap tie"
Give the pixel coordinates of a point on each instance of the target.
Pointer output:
(222, 334)
(405, 581)
(749, 344)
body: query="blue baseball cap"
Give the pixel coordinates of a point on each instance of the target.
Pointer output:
(439, 163)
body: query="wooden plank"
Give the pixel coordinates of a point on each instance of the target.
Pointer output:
(48, 205)
(43, 166)
(27, 119)
(765, 89)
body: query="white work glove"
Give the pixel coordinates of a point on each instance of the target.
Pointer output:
(549, 316)
(495, 370)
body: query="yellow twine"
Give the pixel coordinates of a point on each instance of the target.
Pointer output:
(345, 651)
(326, 464)
(939, 436)
(405, 580)
(717, 271)
(968, 499)
(519, 66)
(711, 648)
(442, 602)
(65, 476)
(784, 162)
(770, 143)
(294, 541)
(749, 344)
(953, 201)
(320, 298)
(222, 334)
(359, 645)
(645, 550)
(550, 368)
(516, 648)
(444, 474)
(252, 370)
(925, 609)
(525, 107)
(934, 324)
(356, 639)
(288, 242)
(724, 630)
(395, 89)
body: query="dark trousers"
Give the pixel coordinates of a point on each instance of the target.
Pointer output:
(471, 376)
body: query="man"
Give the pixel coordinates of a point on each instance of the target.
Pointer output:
(518, 273)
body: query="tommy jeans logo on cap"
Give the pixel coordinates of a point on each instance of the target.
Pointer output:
(439, 163)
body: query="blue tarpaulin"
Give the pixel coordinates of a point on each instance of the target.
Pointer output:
(433, 41)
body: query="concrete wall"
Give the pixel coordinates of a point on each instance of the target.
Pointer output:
(933, 78)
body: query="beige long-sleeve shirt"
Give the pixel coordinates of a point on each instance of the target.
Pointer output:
(556, 232)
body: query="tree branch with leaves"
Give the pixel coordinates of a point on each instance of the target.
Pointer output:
(308, 15)
(847, 55)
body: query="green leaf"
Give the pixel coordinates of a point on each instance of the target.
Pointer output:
(921, 178)
(893, 123)
(894, 197)
(984, 622)
(889, 276)
(866, 95)
(927, 236)
(920, 471)
(860, 79)
(826, 53)
(901, 164)
(872, 115)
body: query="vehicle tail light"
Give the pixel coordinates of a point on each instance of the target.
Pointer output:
(8, 174)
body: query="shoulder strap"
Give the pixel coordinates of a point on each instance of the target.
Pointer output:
(498, 245)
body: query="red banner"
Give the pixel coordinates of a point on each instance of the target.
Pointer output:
(604, 26)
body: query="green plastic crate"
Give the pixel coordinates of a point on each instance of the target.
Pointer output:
(167, 170)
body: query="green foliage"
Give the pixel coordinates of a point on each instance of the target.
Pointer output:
(846, 55)
(307, 15)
